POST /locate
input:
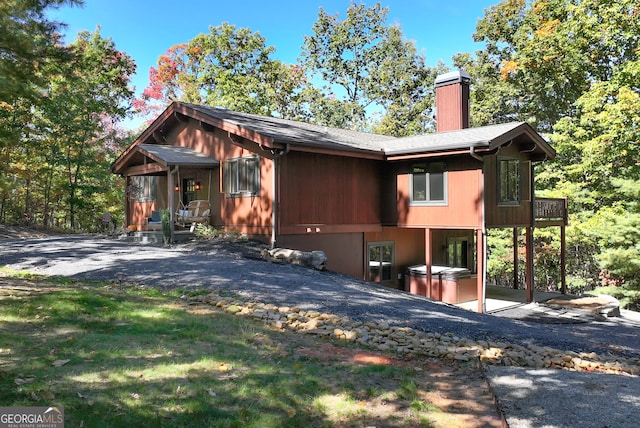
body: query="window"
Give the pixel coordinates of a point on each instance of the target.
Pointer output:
(188, 190)
(457, 252)
(508, 181)
(144, 188)
(381, 261)
(429, 184)
(242, 176)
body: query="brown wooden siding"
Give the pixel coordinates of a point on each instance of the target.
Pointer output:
(464, 198)
(246, 214)
(328, 190)
(139, 212)
(344, 251)
(497, 215)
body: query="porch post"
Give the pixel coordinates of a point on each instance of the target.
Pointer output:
(529, 262)
(481, 271)
(563, 261)
(127, 201)
(516, 260)
(428, 260)
(171, 197)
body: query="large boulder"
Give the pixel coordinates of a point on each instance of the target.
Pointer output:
(314, 259)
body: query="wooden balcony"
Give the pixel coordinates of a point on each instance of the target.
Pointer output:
(551, 212)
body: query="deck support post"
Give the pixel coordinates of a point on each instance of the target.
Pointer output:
(516, 260)
(529, 263)
(563, 261)
(481, 271)
(428, 258)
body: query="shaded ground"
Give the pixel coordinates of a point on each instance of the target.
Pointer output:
(220, 267)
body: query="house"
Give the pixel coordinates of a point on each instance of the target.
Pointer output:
(406, 212)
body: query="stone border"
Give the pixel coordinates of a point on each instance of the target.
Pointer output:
(407, 341)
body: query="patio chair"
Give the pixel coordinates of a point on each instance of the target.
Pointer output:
(196, 212)
(154, 222)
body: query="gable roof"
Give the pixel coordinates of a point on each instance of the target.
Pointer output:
(279, 134)
(163, 156)
(285, 131)
(484, 137)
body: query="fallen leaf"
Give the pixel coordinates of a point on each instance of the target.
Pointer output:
(211, 393)
(135, 396)
(60, 363)
(21, 381)
(362, 403)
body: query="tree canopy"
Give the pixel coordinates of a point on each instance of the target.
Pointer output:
(59, 123)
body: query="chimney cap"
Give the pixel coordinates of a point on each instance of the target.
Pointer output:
(452, 77)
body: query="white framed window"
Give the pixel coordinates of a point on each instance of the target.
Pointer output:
(509, 179)
(242, 176)
(381, 257)
(144, 188)
(428, 184)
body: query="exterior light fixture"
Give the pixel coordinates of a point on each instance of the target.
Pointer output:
(176, 188)
(198, 186)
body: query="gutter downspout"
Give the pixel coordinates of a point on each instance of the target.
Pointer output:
(473, 154)
(275, 205)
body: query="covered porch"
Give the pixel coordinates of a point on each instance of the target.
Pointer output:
(160, 177)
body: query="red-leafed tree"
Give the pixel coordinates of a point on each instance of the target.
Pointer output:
(229, 67)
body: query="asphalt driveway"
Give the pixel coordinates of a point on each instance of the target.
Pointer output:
(99, 258)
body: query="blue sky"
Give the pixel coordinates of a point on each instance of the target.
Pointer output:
(146, 29)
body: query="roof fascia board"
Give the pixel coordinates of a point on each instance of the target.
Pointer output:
(146, 169)
(410, 156)
(325, 151)
(526, 129)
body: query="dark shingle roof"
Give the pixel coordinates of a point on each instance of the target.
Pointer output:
(174, 155)
(296, 132)
(489, 137)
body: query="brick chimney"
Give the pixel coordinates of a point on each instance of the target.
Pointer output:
(452, 101)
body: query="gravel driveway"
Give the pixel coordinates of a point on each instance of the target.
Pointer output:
(220, 267)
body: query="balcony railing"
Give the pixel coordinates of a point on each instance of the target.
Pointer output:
(551, 211)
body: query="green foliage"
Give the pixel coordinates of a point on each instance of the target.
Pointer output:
(28, 40)
(374, 67)
(58, 174)
(228, 67)
(165, 219)
(204, 231)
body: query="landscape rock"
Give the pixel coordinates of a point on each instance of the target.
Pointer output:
(315, 259)
(405, 340)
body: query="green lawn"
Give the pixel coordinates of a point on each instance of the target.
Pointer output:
(135, 357)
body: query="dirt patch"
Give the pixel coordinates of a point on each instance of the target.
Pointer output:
(23, 232)
(459, 391)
